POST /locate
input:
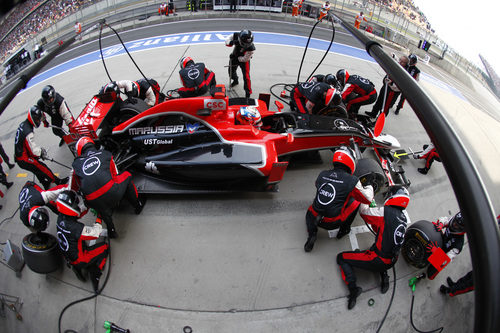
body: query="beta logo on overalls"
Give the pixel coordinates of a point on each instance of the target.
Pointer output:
(214, 104)
(91, 165)
(399, 234)
(326, 194)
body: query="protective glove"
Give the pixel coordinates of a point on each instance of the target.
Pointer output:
(432, 247)
(43, 154)
(438, 225)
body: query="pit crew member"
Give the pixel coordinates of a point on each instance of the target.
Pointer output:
(72, 236)
(53, 104)
(242, 53)
(338, 196)
(356, 91)
(196, 79)
(453, 234)
(389, 224)
(96, 176)
(28, 154)
(32, 203)
(311, 97)
(146, 89)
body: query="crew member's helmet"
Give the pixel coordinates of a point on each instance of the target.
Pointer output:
(82, 144)
(346, 157)
(245, 38)
(398, 196)
(185, 61)
(331, 80)
(333, 97)
(35, 115)
(457, 225)
(67, 203)
(342, 77)
(109, 88)
(249, 115)
(38, 218)
(48, 95)
(413, 59)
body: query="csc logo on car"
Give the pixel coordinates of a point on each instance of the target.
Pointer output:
(215, 104)
(91, 165)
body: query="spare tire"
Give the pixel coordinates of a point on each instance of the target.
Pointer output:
(370, 172)
(417, 236)
(41, 252)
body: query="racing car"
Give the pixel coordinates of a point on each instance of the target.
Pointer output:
(196, 144)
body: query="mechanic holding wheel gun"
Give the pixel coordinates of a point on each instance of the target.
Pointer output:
(242, 53)
(72, 236)
(338, 196)
(147, 90)
(389, 224)
(96, 176)
(28, 154)
(453, 234)
(53, 104)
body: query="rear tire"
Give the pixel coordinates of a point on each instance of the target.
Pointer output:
(41, 253)
(417, 236)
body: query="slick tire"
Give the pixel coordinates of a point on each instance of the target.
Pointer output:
(370, 172)
(41, 253)
(417, 236)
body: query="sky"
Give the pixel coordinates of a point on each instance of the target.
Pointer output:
(469, 27)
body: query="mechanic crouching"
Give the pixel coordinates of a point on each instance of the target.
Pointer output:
(389, 224)
(196, 79)
(72, 236)
(312, 97)
(32, 202)
(96, 176)
(338, 196)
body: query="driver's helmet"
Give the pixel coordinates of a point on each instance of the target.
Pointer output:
(68, 203)
(346, 157)
(457, 225)
(245, 38)
(35, 116)
(397, 196)
(38, 218)
(249, 115)
(48, 95)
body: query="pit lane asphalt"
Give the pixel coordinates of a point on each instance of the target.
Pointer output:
(231, 262)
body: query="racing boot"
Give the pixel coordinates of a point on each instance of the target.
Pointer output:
(354, 292)
(423, 170)
(444, 289)
(61, 142)
(141, 201)
(308, 246)
(384, 282)
(397, 111)
(10, 165)
(343, 230)
(80, 273)
(450, 282)
(234, 83)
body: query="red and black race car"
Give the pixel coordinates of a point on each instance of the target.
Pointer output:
(197, 145)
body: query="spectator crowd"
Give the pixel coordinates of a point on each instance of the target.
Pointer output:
(41, 13)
